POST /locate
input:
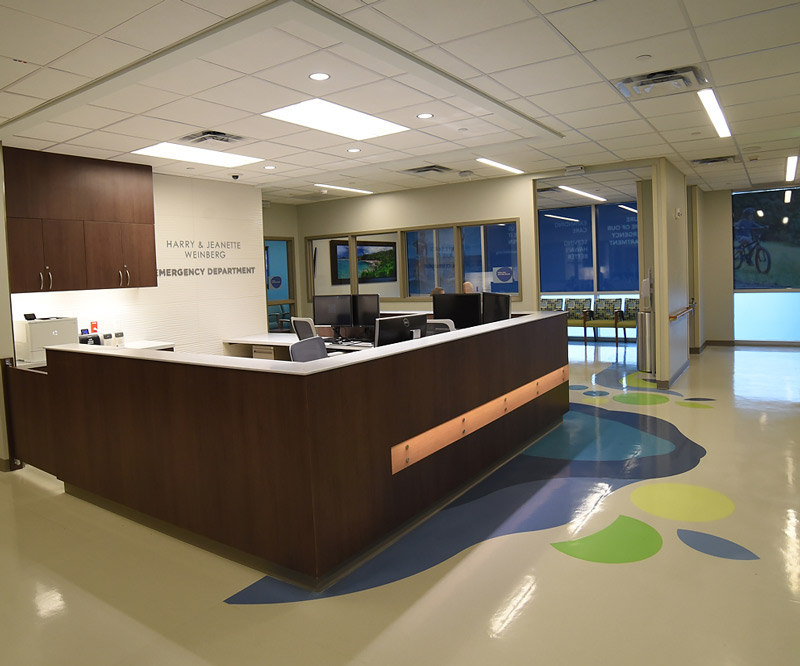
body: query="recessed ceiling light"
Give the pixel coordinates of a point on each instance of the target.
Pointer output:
(319, 76)
(760, 213)
(791, 168)
(714, 111)
(270, 166)
(632, 210)
(345, 189)
(497, 165)
(581, 192)
(785, 220)
(354, 150)
(424, 116)
(787, 196)
(174, 151)
(558, 217)
(335, 119)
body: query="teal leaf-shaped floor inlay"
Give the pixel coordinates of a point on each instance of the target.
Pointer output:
(716, 546)
(625, 540)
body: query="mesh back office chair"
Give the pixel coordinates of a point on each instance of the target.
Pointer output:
(310, 349)
(304, 327)
(433, 326)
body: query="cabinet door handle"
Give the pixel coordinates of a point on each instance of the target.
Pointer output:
(127, 272)
(120, 278)
(51, 279)
(41, 281)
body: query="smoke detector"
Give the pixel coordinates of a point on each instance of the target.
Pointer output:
(665, 82)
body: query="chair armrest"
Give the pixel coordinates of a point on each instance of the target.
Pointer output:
(588, 314)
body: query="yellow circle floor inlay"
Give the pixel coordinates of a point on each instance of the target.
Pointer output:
(681, 501)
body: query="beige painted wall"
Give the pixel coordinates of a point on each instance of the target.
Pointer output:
(6, 329)
(485, 200)
(715, 266)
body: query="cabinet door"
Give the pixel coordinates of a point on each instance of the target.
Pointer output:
(25, 255)
(64, 255)
(139, 254)
(103, 255)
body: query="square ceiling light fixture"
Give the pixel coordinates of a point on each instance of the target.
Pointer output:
(174, 151)
(335, 119)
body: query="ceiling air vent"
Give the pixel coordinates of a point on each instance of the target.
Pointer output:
(725, 159)
(546, 189)
(658, 84)
(428, 168)
(211, 135)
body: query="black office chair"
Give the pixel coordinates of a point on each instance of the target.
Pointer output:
(310, 349)
(304, 327)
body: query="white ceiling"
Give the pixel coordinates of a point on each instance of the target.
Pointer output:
(526, 83)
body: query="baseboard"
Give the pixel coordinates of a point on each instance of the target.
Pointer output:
(10, 465)
(761, 343)
(665, 385)
(718, 343)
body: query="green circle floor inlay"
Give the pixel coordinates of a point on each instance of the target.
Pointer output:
(641, 399)
(681, 501)
(625, 540)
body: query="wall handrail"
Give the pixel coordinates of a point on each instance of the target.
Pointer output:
(681, 313)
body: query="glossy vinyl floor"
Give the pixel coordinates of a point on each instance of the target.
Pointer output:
(663, 530)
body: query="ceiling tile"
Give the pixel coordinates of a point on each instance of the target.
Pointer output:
(91, 117)
(312, 139)
(259, 127)
(380, 96)
(391, 31)
(47, 83)
(463, 129)
(603, 115)
(36, 40)
(424, 86)
(110, 141)
(12, 105)
(83, 151)
(294, 74)
(136, 99)
(582, 25)
(670, 51)
(24, 142)
(680, 120)
(265, 149)
(668, 105)
(95, 16)
(252, 94)
(491, 87)
(759, 109)
(405, 140)
(12, 70)
(308, 34)
(710, 11)
(309, 158)
(789, 121)
(365, 59)
(485, 140)
(442, 113)
(706, 131)
(764, 30)
(152, 128)
(162, 25)
(249, 55)
(547, 6)
(98, 57)
(52, 132)
(224, 8)
(548, 76)
(340, 6)
(623, 129)
(197, 112)
(762, 90)
(191, 77)
(755, 66)
(640, 140)
(577, 99)
(511, 46)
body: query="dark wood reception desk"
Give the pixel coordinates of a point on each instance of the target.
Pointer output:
(306, 466)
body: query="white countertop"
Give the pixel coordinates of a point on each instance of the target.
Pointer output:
(288, 367)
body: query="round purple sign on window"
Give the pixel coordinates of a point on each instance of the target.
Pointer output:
(504, 274)
(275, 282)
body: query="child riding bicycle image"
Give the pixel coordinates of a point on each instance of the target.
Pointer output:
(746, 246)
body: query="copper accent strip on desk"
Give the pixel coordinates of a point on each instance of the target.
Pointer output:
(421, 446)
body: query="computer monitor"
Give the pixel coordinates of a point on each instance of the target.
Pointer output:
(366, 309)
(463, 309)
(389, 330)
(496, 307)
(333, 311)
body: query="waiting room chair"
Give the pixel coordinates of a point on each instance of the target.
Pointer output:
(551, 304)
(434, 326)
(309, 349)
(304, 327)
(605, 314)
(629, 315)
(577, 312)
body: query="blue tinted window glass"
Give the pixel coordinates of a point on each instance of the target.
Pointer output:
(420, 258)
(565, 249)
(617, 247)
(501, 258)
(445, 259)
(276, 261)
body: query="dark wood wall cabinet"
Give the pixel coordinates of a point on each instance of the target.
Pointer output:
(78, 223)
(288, 465)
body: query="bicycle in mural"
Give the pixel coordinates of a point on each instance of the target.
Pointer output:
(751, 251)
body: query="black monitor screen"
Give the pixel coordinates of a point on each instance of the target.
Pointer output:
(389, 330)
(366, 308)
(463, 309)
(496, 307)
(333, 310)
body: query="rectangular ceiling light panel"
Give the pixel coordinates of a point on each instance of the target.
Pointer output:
(174, 151)
(714, 111)
(335, 119)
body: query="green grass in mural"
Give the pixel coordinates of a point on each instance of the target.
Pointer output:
(784, 272)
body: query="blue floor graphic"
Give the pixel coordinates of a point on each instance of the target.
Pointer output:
(543, 488)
